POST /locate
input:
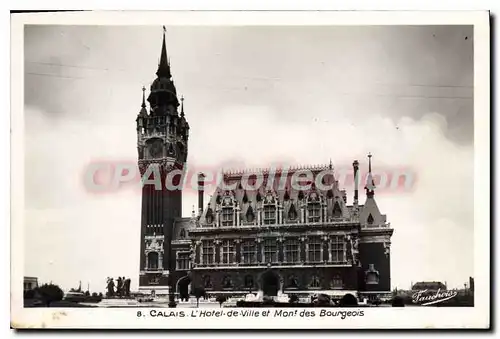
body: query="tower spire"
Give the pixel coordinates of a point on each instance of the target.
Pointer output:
(164, 65)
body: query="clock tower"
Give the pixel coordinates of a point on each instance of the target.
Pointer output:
(162, 145)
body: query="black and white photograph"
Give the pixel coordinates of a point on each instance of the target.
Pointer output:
(250, 170)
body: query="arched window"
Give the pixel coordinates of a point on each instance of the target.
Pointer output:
(337, 282)
(315, 282)
(292, 282)
(153, 260)
(183, 234)
(207, 282)
(227, 282)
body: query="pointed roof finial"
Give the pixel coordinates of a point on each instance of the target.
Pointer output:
(182, 105)
(331, 164)
(143, 97)
(164, 65)
(370, 183)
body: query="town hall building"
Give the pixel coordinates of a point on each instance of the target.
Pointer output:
(273, 237)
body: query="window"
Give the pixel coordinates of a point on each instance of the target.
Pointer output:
(227, 216)
(207, 282)
(227, 282)
(183, 234)
(248, 254)
(208, 252)
(249, 281)
(337, 281)
(210, 216)
(153, 260)
(338, 249)
(291, 250)
(183, 259)
(292, 282)
(314, 209)
(270, 250)
(228, 252)
(269, 215)
(314, 249)
(315, 282)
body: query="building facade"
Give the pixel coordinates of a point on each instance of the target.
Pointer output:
(260, 231)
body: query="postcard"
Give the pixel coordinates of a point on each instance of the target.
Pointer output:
(250, 170)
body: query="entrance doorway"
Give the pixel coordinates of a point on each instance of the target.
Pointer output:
(270, 283)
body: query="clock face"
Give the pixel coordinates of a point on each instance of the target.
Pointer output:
(156, 148)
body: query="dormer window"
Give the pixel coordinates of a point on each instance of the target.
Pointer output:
(210, 216)
(370, 219)
(337, 211)
(227, 216)
(250, 215)
(292, 212)
(269, 215)
(314, 209)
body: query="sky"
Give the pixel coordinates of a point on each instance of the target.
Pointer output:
(253, 96)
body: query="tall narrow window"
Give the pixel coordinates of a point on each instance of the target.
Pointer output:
(314, 249)
(248, 252)
(183, 259)
(269, 214)
(314, 209)
(291, 250)
(183, 234)
(270, 251)
(153, 260)
(228, 252)
(338, 245)
(208, 251)
(227, 216)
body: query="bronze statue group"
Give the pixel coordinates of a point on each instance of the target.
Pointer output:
(122, 287)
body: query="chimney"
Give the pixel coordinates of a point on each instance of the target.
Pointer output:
(355, 166)
(201, 183)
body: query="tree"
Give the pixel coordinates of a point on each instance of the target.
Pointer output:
(29, 294)
(221, 299)
(398, 301)
(198, 292)
(50, 293)
(348, 300)
(293, 298)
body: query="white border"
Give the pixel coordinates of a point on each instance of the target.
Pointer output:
(477, 317)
